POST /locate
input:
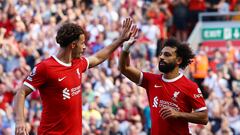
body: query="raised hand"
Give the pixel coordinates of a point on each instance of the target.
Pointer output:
(134, 31)
(130, 35)
(126, 29)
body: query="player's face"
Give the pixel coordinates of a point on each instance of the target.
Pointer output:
(167, 60)
(79, 47)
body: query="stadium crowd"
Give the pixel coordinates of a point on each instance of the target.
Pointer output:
(112, 105)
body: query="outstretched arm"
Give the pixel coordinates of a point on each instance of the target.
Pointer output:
(19, 99)
(103, 54)
(131, 73)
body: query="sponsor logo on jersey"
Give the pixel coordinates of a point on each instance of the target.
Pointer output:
(162, 103)
(155, 102)
(172, 105)
(76, 90)
(68, 93)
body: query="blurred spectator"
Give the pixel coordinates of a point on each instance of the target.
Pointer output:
(237, 9)
(180, 16)
(152, 33)
(26, 31)
(195, 7)
(234, 118)
(212, 6)
(199, 68)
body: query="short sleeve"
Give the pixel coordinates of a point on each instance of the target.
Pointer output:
(84, 64)
(37, 77)
(196, 99)
(144, 80)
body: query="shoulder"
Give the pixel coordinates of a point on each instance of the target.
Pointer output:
(188, 83)
(47, 61)
(81, 59)
(81, 62)
(42, 66)
(146, 78)
(151, 76)
(43, 63)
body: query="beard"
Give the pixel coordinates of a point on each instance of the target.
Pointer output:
(166, 67)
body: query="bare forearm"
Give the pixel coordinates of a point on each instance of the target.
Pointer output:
(19, 106)
(103, 54)
(107, 51)
(124, 61)
(131, 73)
(21, 127)
(19, 103)
(195, 117)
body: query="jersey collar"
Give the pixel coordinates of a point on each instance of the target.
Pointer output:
(174, 79)
(62, 63)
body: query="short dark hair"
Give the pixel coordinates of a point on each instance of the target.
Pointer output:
(183, 50)
(68, 33)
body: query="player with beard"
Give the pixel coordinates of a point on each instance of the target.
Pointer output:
(59, 80)
(174, 100)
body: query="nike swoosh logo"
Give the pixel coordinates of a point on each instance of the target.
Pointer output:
(157, 86)
(60, 79)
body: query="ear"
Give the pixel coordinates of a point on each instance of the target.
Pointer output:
(73, 45)
(179, 60)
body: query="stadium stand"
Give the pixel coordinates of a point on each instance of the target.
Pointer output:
(112, 105)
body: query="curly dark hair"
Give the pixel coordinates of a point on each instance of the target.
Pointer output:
(183, 50)
(68, 33)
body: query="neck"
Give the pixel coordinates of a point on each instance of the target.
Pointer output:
(64, 55)
(172, 74)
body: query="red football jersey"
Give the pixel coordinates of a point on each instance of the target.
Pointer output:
(59, 85)
(179, 93)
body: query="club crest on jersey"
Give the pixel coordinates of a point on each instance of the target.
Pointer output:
(175, 95)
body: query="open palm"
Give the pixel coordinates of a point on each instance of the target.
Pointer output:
(128, 30)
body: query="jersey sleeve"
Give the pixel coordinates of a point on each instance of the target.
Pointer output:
(84, 64)
(196, 99)
(37, 77)
(144, 80)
